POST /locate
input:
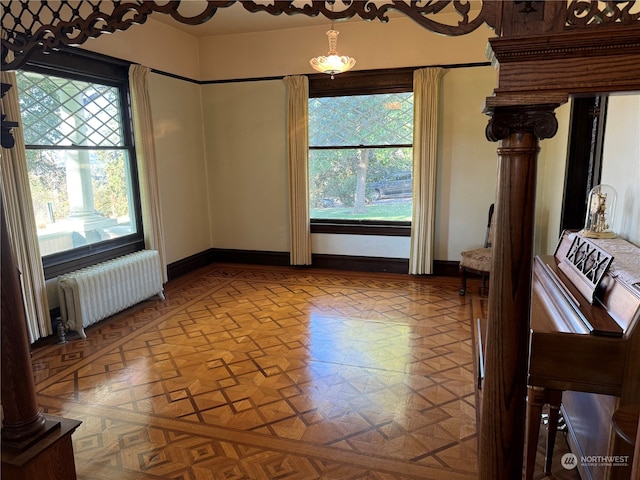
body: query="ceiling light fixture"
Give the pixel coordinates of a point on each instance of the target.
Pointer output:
(333, 63)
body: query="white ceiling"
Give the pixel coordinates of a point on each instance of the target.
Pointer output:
(235, 19)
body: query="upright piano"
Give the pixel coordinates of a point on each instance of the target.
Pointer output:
(585, 350)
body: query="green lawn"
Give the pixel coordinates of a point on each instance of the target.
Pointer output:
(393, 210)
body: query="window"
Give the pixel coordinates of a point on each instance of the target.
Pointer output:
(81, 166)
(360, 157)
(360, 153)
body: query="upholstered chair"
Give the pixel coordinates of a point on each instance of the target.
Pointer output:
(478, 261)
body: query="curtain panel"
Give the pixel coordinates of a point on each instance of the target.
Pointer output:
(426, 90)
(21, 223)
(147, 168)
(298, 138)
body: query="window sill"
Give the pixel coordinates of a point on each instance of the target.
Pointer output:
(350, 227)
(88, 255)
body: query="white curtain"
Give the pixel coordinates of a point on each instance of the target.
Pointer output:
(147, 169)
(298, 134)
(21, 223)
(426, 90)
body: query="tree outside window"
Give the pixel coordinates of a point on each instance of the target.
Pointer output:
(360, 157)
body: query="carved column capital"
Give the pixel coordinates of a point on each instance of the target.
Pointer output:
(537, 119)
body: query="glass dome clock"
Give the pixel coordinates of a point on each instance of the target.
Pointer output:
(601, 206)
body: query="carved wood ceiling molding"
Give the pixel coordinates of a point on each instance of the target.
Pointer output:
(52, 24)
(591, 13)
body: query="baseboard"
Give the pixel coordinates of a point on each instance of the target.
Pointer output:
(360, 264)
(189, 264)
(446, 268)
(252, 257)
(441, 268)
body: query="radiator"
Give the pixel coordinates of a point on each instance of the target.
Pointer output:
(97, 292)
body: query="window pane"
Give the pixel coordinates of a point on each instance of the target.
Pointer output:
(63, 112)
(361, 184)
(80, 197)
(360, 157)
(78, 162)
(384, 119)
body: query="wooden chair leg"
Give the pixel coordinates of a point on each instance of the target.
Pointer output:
(554, 399)
(535, 401)
(463, 280)
(484, 290)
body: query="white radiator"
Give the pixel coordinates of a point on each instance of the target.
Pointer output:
(97, 292)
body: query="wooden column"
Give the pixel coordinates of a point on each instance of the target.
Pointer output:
(504, 389)
(33, 445)
(21, 416)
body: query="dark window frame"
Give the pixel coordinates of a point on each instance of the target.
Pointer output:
(95, 68)
(365, 82)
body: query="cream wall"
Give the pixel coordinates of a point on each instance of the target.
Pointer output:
(182, 169)
(399, 43)
(467, 162)
(374, 45)
(152, 44)
(620, 169)
(621, 163)
(246, 151)
(245, 137)
(361, 245)
(247, 157)
(234, 187)
(552, 161)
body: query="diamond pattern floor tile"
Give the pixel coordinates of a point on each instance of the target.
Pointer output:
(268, 373)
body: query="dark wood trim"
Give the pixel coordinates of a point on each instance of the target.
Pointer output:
(361, 82)
(546, 69)
(446, 268)
(385, 229)
(22, 419)
(29, 33)
(253, 257)
(184, 79)
(569, 44)
(234, 80)
(584, 158)
(49, 457)
(85, 256)
(443, 268)
(366, 82)
(189, 264)
(321, 80)
(78, 64)
(360, 264)
(356, 147)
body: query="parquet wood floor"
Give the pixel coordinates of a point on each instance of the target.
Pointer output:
(273, 373)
